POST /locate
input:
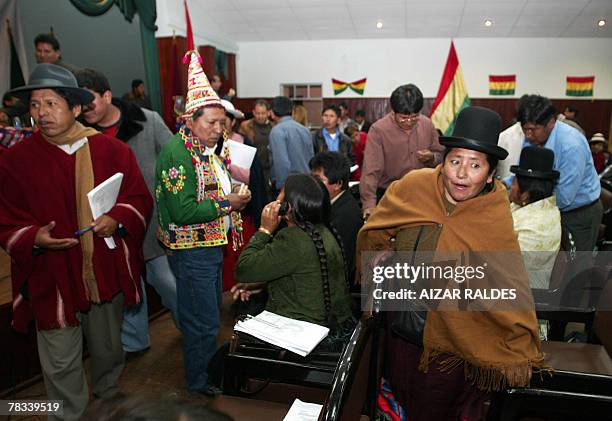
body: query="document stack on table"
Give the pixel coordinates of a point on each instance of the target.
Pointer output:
(294, 335)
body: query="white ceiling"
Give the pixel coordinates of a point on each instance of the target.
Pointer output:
(268, 20)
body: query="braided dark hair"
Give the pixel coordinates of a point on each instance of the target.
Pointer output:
(310, 205)
(317, 239)
(338, 238)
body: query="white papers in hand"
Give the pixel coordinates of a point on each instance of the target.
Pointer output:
(303, 411)
(354, 168)
(241, 155)
(295, 335)
(102, 199)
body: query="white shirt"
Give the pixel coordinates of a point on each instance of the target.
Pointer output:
(70, 149)
(511, 140)
(222, 178)
(337, 197)
(538, 227)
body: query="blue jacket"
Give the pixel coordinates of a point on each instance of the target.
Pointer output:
(290, 150)
(578, 184)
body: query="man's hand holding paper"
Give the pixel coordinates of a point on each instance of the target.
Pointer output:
(105, 226)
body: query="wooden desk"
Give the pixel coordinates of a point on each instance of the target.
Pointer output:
(261, 361)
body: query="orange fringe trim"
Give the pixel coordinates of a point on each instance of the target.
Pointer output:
(490, 378)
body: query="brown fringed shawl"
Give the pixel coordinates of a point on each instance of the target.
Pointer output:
(499, 348)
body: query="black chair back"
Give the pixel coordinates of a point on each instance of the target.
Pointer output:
(519, 404)
(603, 319)
(352, 377)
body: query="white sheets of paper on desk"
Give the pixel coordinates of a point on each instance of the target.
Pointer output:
(294, 335)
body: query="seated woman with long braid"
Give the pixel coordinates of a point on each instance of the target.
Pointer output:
(301, 265)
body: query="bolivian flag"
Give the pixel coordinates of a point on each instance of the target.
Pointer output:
(358, 86)
(339, 86)
(580, 86)
(502, 85)
(452, 96)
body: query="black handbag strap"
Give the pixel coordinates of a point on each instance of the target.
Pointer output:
(416, 243)
(413, 323)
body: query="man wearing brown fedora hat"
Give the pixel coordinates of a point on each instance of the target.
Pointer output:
(64, 275)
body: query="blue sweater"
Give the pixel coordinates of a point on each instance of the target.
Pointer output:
(578, 184)
(290, 150)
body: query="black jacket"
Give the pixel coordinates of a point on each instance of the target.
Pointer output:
(366, 126)
(345, 147)
(346, 218)
(131, 116)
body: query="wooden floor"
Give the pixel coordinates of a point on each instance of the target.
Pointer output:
(159, 373)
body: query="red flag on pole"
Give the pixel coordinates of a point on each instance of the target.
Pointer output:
(452, 95)
(190, 44)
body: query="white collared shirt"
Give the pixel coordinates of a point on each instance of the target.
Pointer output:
(337, 197)
(70, 149)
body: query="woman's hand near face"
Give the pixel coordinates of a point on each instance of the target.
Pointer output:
(269, 216)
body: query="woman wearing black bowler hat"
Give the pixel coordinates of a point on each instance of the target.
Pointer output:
(537, 220)
(444, 367)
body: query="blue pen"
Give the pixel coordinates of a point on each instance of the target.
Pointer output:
(83, 231)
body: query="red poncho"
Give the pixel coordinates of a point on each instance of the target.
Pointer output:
(37, 186)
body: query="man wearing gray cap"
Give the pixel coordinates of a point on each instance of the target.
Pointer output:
(64, 275)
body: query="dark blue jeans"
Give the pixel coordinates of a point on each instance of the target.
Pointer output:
(198, 287)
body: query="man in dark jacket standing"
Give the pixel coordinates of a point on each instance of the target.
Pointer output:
(145, 133)
(334, 170)
(330, 138)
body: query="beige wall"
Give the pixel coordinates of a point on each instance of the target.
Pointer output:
(540, 64)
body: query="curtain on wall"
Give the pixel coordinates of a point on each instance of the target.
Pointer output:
(231, 70)
(13, 66)
(147, 12)
(225, 66)
(207, 52)
(173, 75)
(17, 78)
(221, 64)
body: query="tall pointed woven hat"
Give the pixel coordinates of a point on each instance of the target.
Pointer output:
(199, 92)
